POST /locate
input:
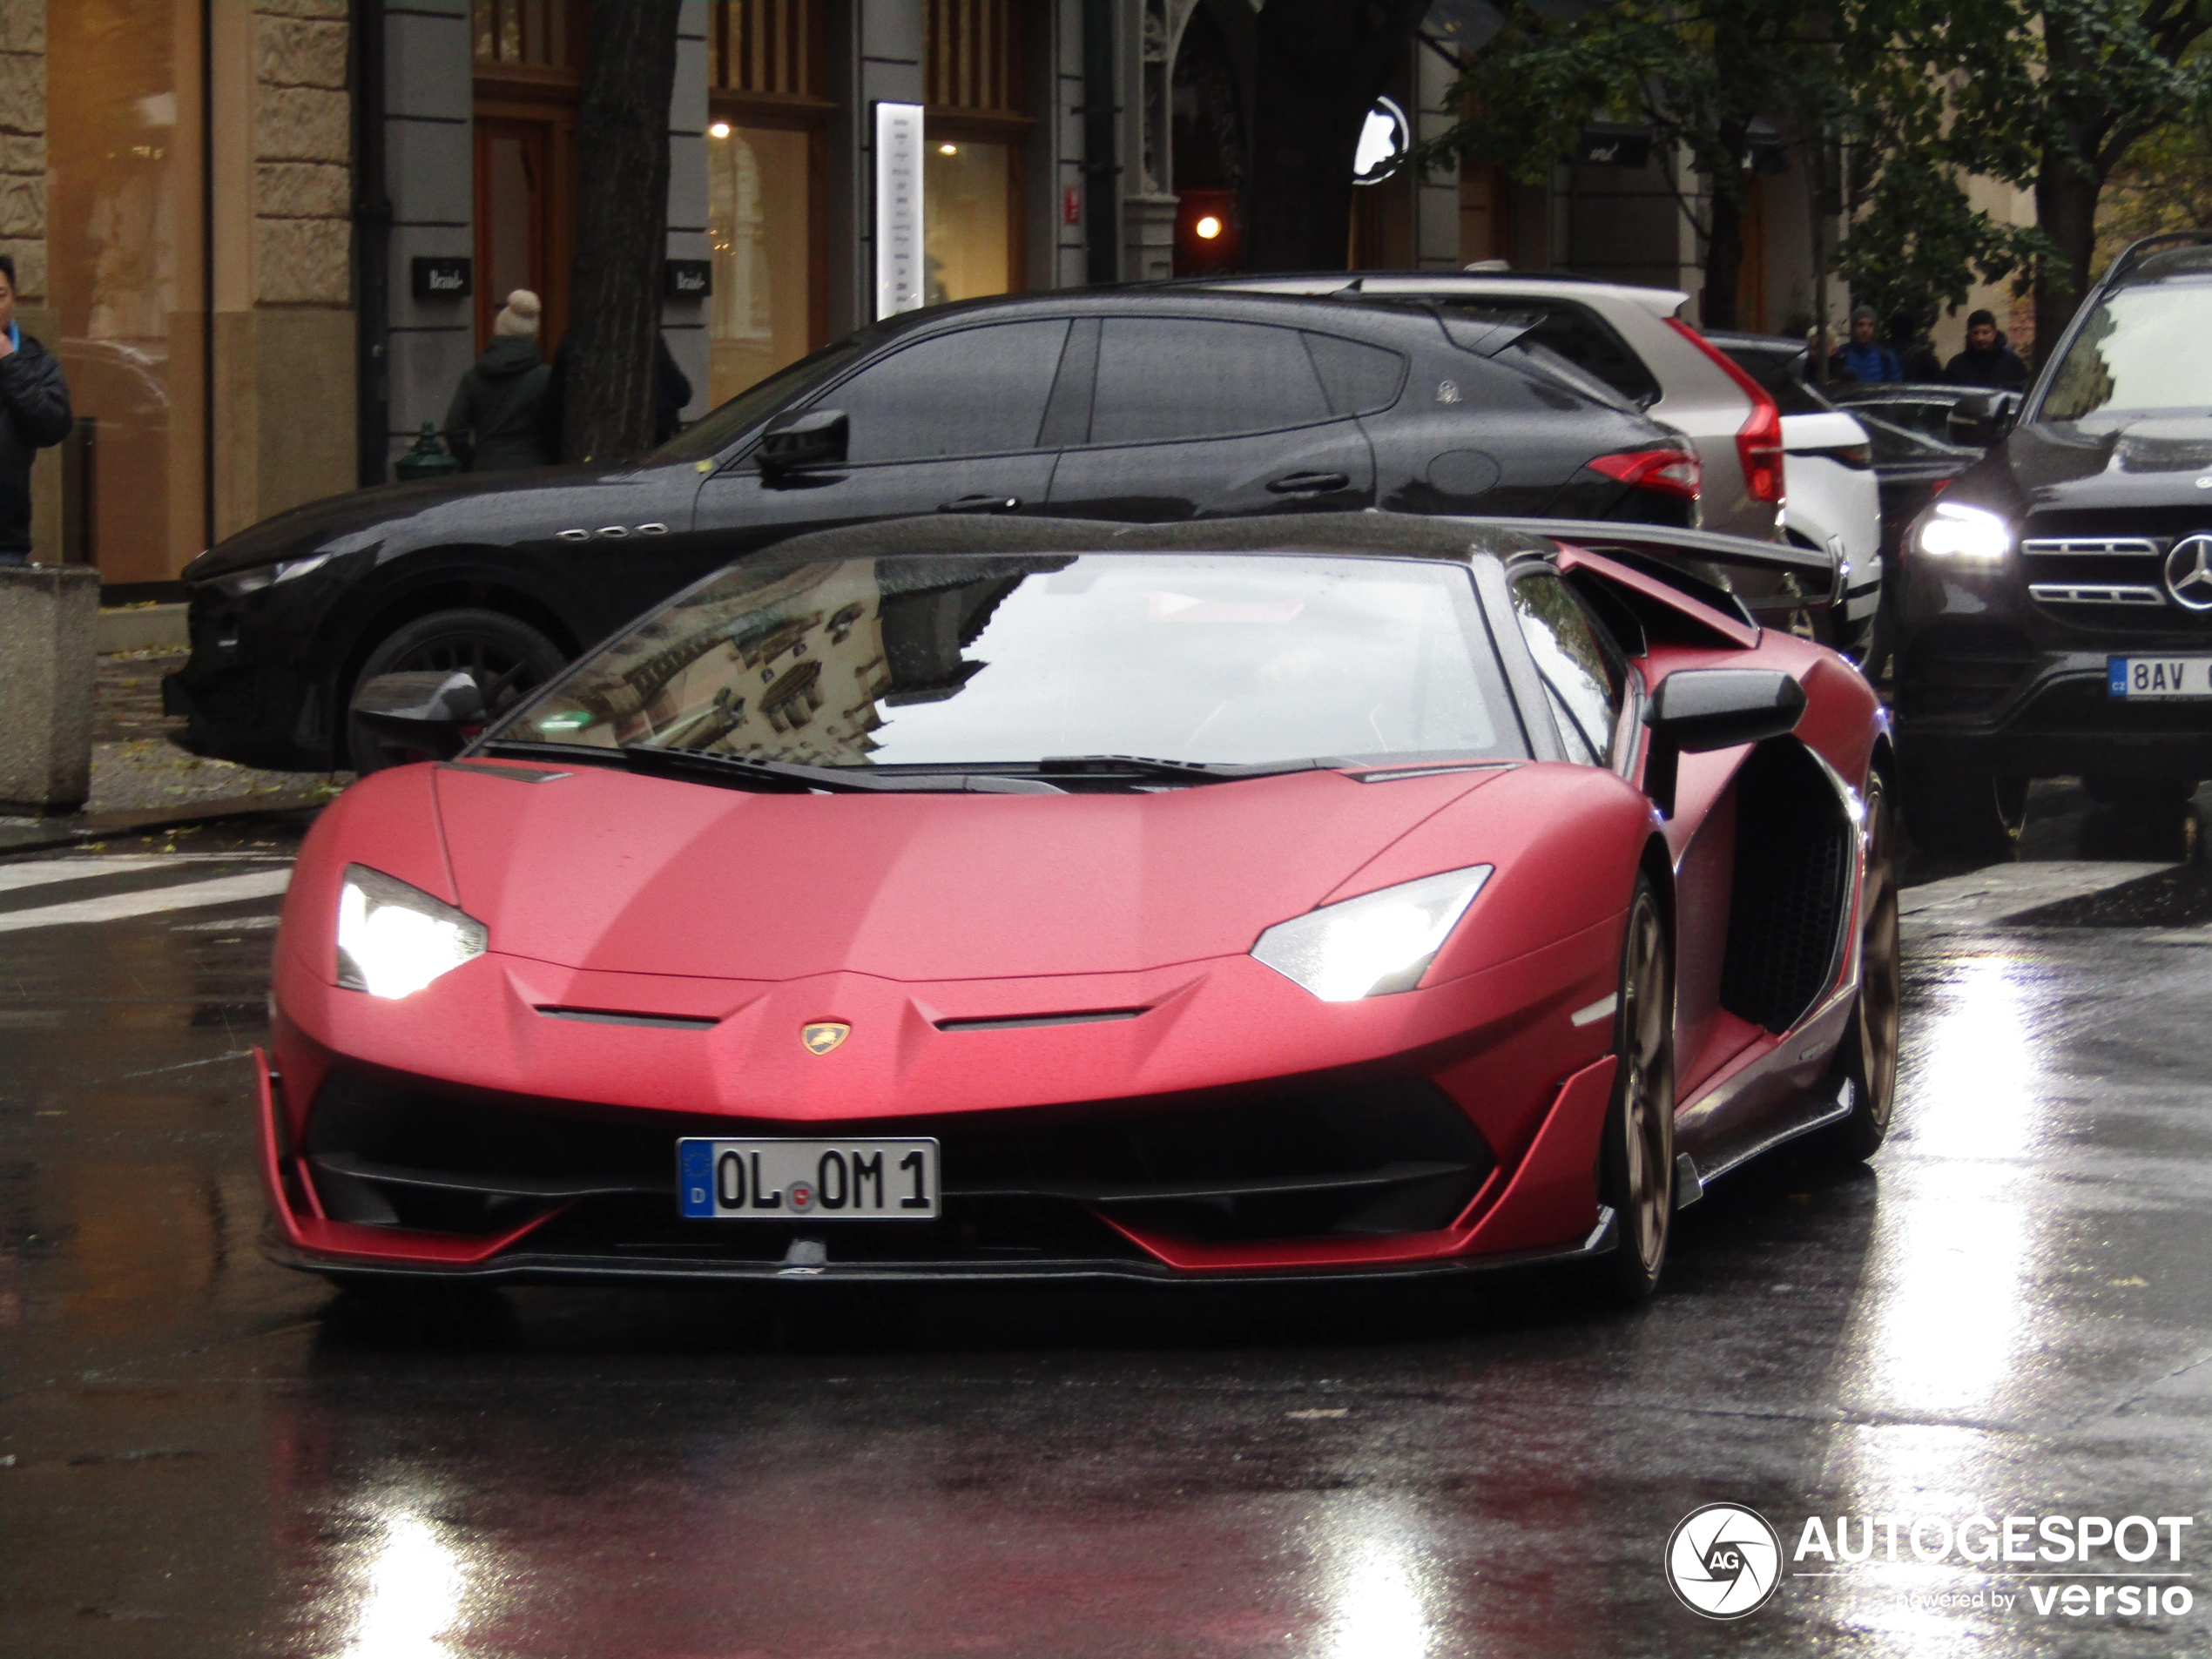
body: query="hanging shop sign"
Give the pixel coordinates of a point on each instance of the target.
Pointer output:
(898, 208)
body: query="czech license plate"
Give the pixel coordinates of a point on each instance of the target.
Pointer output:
(813, 1180)
(2153, 677)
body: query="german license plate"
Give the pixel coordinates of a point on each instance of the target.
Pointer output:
(2159, 676)
(808, 1180)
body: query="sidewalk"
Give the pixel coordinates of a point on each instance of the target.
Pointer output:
(142, 780)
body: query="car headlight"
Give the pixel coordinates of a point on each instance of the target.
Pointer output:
(1375, 944)
(239, 584)
(1955, 530)
(394, 940)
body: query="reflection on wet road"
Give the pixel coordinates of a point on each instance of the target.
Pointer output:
(2007, 1314)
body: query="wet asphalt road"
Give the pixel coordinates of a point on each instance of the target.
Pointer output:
(2007, 1312)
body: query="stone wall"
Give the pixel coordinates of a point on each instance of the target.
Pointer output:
(22, 142)
(302, 154)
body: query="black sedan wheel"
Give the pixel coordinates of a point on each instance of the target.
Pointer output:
(1637, 1159)
(510, 659)
(1869, 1056)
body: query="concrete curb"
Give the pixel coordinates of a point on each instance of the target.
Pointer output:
(76, 829)
(142, 628)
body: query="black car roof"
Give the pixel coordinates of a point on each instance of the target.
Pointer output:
(1397, 535)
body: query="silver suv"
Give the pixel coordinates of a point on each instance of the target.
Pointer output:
(1631, 340)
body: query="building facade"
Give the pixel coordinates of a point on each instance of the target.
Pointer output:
(266, 237)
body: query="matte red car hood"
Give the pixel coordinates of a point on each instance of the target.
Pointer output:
(605, 871)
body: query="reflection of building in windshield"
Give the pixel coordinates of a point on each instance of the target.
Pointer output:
(790, 658)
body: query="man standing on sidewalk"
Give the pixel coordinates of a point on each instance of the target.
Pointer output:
(34, 415)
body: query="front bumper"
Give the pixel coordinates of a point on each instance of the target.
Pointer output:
(1433, 1133)
(2005, 668)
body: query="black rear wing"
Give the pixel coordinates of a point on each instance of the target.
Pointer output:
(1787, 578)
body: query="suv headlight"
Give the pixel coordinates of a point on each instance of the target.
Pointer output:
(394, 940)
(1955, 530)
(1375, 944)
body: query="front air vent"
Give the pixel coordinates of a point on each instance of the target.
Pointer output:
(2094, 593)
(1023, 1021)
(619, 1017)
(2091, 546)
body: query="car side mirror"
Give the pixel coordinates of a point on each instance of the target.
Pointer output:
(430, 714)
(809, 439)
(1695, 710)
(1976, 423)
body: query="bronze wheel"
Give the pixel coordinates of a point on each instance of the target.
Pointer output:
(1869, 1055)
(1636, 1160)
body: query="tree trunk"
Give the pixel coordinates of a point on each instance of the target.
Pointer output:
(622, 231)
(1321, 65)
(2066, 208)
(1723, 259)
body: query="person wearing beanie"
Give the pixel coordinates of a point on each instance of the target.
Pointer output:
(1916, 354)
(1989, 360)
(492, 423)
(1864, 357)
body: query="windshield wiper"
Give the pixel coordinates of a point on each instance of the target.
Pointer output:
(1195, 772)
(787, 776)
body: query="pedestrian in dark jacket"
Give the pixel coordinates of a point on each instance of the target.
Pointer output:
(672, 391)
(36, 402)
(492, 423)
(1988, 360)
(1864, 357)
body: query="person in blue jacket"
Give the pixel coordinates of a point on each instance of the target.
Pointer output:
(1864, 357)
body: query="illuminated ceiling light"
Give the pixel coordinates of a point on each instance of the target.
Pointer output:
(720, 130)
(947, 149)
(1207, 228)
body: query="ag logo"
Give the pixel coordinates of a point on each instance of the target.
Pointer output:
(2189, 572)
(824, 1035)
(1723, 1560)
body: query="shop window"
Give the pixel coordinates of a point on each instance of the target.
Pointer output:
(763, 229)
(124, 286)
(767, 171)
(976, 129)
(547, 36)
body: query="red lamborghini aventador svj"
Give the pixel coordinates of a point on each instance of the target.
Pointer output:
(1304, 896)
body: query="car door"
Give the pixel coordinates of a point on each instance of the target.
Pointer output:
(949, 423)
(1193, 417)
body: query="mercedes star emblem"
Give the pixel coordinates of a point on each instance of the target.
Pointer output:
(2189, 572)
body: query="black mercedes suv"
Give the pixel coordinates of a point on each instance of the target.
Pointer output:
(2057, 608)
(1139, 406)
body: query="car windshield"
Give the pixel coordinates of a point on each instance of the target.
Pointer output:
(2142, 349)
(720, 427)
(938, 661)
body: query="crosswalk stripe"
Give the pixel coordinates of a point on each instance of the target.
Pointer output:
(229, 889)
(14, 877)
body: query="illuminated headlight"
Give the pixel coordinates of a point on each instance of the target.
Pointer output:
(241, 583)
(1957, 531)
(394, 940)
(1375, 944)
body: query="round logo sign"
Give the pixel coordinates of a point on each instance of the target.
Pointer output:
(1385, 137)
(1723, 1560)
(2189, 572)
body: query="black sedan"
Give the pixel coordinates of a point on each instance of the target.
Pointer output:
(1141, 408)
